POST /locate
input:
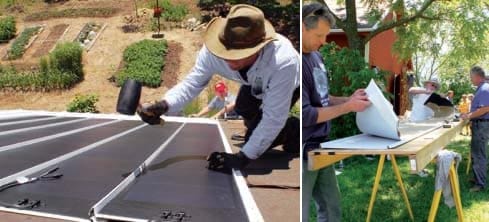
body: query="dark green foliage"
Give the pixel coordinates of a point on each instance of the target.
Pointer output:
(18, 47)
(347, 72)
(7, 28)
(60, 70)
(83, 104)
(459, 82)
(72, 13)
(144, 61)
(67, 57)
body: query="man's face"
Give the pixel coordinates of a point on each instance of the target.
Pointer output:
(242, 63)
(475, 79)
(313, 39)
(221, 94)
(430, 86)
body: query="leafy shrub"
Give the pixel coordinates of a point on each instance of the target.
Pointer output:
(18, 47)
(171, 12)
(144, 61)
(83, 104)
(60, 70)
(67, 57)
(347, 72)
(7, 28)
(72, 13)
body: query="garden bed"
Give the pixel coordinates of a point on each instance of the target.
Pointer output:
(172, 64)
(23, 42)
(48, 44)
(89, 34)
(72, 13)
(143, 61)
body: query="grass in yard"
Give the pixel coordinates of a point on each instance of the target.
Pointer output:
(357, 180)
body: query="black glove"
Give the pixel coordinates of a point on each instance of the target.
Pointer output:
(150, 113)
(224, 162)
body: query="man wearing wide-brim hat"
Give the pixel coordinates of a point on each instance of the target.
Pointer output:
(419, 111)
(245, 48)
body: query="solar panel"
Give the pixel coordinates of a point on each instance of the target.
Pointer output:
(99, 156)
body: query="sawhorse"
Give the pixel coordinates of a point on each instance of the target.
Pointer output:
(453, 178)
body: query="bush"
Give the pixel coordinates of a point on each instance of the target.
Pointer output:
(67, 57)
(7, 28)
(347, 72)
(18, 47)
(83, 104)
(60, 70)
(172, 13)
(144, 61)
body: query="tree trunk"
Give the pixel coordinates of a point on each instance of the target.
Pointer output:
(355, 42)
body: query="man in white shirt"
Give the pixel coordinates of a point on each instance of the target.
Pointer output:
(420, 112)
(245, 48)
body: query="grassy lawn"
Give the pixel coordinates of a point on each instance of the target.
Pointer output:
(357, 180)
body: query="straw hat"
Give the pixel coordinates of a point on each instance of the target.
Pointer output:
(241, 34)
(434, 81)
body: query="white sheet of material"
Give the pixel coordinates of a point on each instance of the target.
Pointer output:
(379, 118)
(381, 127)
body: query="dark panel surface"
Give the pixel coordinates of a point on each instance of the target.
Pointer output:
(178, 181)
(37, 133)
(36, 123)
(14, 119)
(19, 159)
(88, 177)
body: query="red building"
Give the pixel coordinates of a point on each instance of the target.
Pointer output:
(378, 52)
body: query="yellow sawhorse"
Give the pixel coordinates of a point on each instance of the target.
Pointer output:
(453, 178)
(377, 182)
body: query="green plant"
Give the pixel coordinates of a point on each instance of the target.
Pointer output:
(191, 108)
(171, 12)
(144, 61)
(18, 47)
(347, 72)
(60, 70)
(7, 28)
(67, 57)
(83, 104)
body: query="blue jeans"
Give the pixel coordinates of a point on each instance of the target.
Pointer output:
(478, 149)
(322, 186)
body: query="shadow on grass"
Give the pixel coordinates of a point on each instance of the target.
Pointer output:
(357, 180)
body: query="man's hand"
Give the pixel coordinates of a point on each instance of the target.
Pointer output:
(465, 116)
(224, 162)
(359, 93)
(151, 112)
(358, 101)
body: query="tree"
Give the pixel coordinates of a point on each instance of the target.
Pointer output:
(449, 43)
(403, 15)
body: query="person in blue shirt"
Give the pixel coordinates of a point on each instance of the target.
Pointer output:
(479, 117)
(223, 102)
(318, 108)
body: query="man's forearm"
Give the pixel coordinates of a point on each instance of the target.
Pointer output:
(336, 100)
(331, 112)
(479, 112)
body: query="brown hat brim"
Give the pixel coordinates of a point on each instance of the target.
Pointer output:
(212, 42)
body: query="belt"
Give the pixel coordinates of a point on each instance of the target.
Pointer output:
(480, 120)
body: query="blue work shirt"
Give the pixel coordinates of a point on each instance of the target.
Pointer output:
(481, 99)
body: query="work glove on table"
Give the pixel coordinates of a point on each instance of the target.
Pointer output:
(151, 112)
(224, 162)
